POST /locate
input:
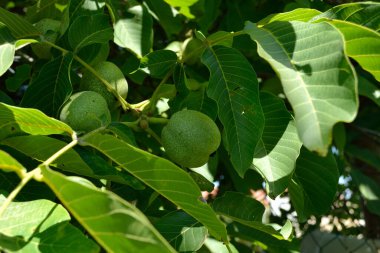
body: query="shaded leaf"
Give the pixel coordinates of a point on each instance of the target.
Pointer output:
(369, 89)
(22, 74)
(317, 78)
(41, 226)
(51, 88)
(87, 30)
(203, 183)
(82, 163)
(314, 184)
(233, 85)
(134, 31)
(355, 37)
(276, 153)
(369, 189)
(14, 120)
(115, 224)
(182, 231)
(19, 27)
(158, 63)
(161, 175)
(245, 210)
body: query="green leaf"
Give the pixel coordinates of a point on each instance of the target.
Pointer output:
(365, 14)
(14, 120)
(301, 14)
(52, 9)
(215, 246)
(158, 63)
(19, 27)
(135, 31)
(82, 163)
(182, 231)
(22, 74)
(245, 210)
(87, 30)
(115, 224)
(369, 189)
(51, 88)
(369, 89)
(166, 16)
(8, 163)
(276, 153)
(233, 85)
(203, 183)
(183, 6)
(161, 175)
(41, 226)
(7, 49)
(355, 37)
(314, 184)
(317, 78)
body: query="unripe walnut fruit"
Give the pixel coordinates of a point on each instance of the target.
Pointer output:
(111, 73)
(86, 111)
(190, 137)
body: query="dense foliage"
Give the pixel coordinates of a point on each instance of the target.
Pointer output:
(87, 87)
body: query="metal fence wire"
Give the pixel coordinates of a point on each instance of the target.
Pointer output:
(324, 242)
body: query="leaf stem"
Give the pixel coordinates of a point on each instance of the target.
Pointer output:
(124, 104)
(61, 151)
(153, 120)
(151, 106)
(228, 247)
(154, 135)
(27, 177)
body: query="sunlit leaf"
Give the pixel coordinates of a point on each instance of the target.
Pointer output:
(134, 31)
(8, 163)
(7, 49)
(233, 85)
(301, 14)
(14, 120)
(317, 78)
(183, 6)
(41, 226)
(276, 153)
(115, 224)
(355, 37)
(161, 175)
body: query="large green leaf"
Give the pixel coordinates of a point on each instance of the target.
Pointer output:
(364, 13)
(314, 184)
(51, 88)
(158, 63)
(91, 29)
(19, 27)
(182, 231)
(14, 120)
(369, 189)
(42, 147)
(370, 90)
(161, 175)
(245, 210)
(317, 78)
(8, 163)
(7, 49)
(233, 85)
(276, 153)
(362, 44)
(115, 224)
(41, 226)
(135, 30)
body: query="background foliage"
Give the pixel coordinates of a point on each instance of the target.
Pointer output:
(292, 85)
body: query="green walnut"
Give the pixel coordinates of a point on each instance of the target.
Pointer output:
(190, 137)
(111, 73)
(86, 111)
